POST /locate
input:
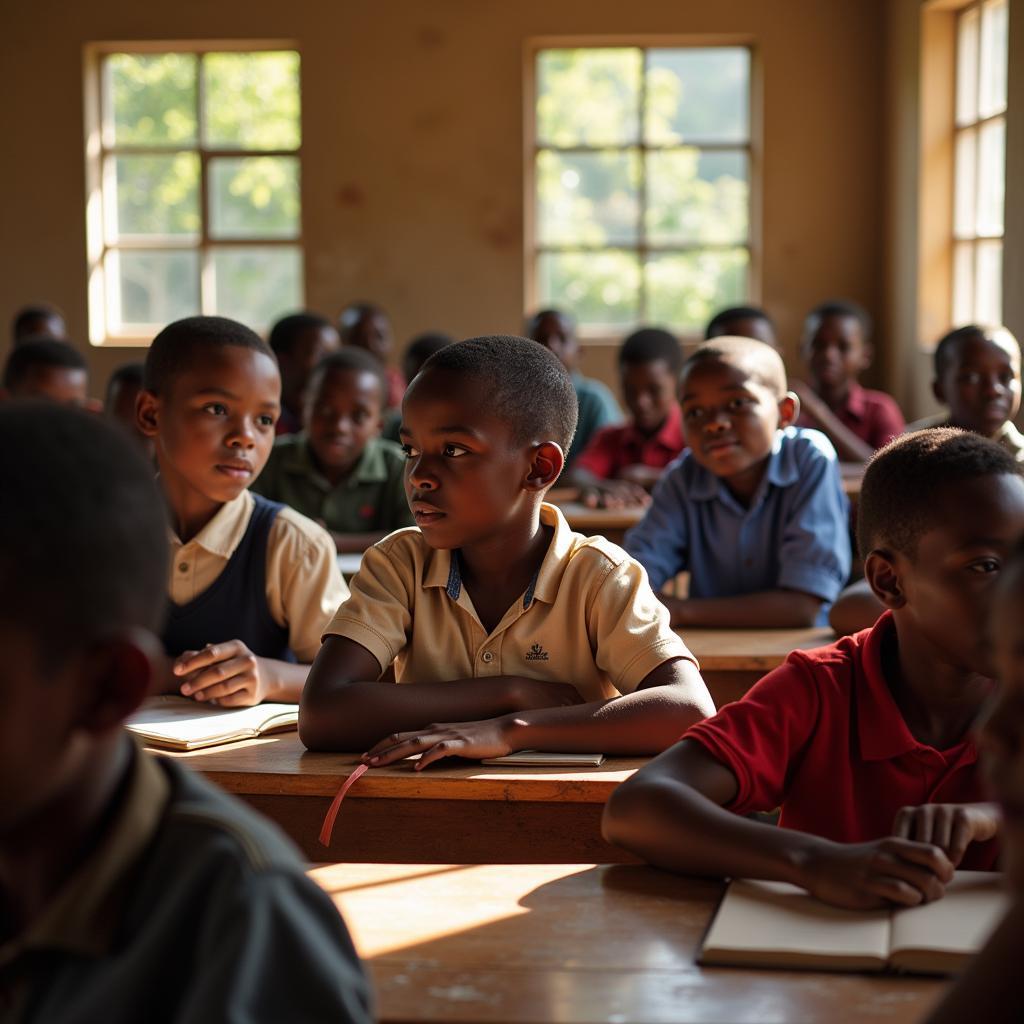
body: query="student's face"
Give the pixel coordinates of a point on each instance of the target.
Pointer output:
(308, 348)
(555, 333)
(755, 327)
(341, 415)
(61, 384)
(215, 427)
(649, 391)
(372, 331)
(464, 477)
(981, 385)
(42, 327)
(836, 352)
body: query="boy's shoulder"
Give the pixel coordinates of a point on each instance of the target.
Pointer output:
(300, 532)
(805, 444)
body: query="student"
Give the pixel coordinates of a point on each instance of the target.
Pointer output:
(418, 351)
(123, 389)
(754, 509)
(597, 407)
(742, 322)
(38, 321)
(47, 368)
(836, 350)
(620, 463)
(339, 471)
(366, 325)
(131, 889)
(511, 628)
(299, 341)
(252, 583)
(866, 744)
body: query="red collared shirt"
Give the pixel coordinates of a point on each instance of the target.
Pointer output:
(822, 737)
(614, 448)
(873, 416)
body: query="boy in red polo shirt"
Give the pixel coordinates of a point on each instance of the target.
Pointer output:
(622, 462)
(865, 744)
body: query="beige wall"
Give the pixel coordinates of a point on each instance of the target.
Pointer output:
(412, 127)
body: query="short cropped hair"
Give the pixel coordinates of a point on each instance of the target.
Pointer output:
(717, 324)
(83, 550)
(421, 348)
(41, 352)
(288, 328)
(899, 497)
(761, 361)
(126, 373)
(25, 315)
(650, 344)
(838, 307)
(521, 381)
(356, 360)
(949, 344)
(180, 345)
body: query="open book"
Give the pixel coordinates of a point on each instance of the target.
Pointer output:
(546, 759)
(177, 723)
(772, 924)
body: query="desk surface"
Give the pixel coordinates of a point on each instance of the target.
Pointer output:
(591, 520)
(519, 944)
(751, 650)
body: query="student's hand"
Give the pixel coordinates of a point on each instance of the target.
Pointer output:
(642, 475)
(863, 876)
(614, 494)
(951, 827)
(474, 740)
(228, 674)
(529, 694)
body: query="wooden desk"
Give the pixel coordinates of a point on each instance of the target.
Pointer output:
(609, 522)
(465, 812)
(574, 943)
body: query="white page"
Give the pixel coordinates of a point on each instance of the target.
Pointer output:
(189, 722)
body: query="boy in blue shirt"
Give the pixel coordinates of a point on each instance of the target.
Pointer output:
(754, 509)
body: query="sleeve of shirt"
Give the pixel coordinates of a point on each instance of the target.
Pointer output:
(378, 614)
(887, 421)
(629, 628)
(760, 737)
(660, 541)
(600, 455)
(815, 552)
(304, 584)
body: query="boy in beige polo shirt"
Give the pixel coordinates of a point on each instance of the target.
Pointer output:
(517, 632)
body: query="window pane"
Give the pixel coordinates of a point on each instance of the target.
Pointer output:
(251, 100)
(151, 287)
(698, 95)
(965, 184)
(991, 177)
(588, 97)
(587, 198)
(150, 100)
(596, 287)
(256, 285)
(963, 283)
(152, 196)
(686, 289)
(993, 58)
(988, 286)
(695, 197)
(254, 197)
(967, 68)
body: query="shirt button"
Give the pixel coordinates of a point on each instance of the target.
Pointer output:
(488, 657)
(183, 567)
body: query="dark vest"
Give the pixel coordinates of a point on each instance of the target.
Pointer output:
(235, 606)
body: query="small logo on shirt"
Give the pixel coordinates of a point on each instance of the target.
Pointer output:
(536, 653)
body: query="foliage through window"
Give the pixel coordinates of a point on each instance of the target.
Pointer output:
(197, 189)
(642, 183)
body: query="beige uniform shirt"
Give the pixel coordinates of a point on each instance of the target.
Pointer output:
(304, 586)
(589, 618)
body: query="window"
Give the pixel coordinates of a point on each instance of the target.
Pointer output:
(641, 184)
(979, 162)
(194, 202)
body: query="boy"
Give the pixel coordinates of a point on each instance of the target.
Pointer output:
(866, 744)
(512, 629)
(418, 351)
(836, 351)
(131, 889)
(39, 321)
(367, 326)
(299, 342)
(621, 463)
(339, 471)
(742, 322)
(47, 368)
(253, 583)
(597, 408)
(754, 509)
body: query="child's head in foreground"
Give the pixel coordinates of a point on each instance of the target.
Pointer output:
(836, 346)
(977, 374)
(366, 325)
(486, 425)
(299, 342)
(83, 576)
(649, 364)
(939, 512)
(38, 321)
(556, 331)
(47, 368)
(742, 322)
(211, 396)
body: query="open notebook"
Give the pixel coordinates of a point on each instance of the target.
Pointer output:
(772, 924)
(177, 723)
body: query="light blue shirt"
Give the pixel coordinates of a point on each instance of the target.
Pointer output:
(795, 535)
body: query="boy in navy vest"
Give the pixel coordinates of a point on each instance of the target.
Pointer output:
(252, 582)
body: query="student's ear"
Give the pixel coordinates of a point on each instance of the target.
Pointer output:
(883, 576)
(147, 418)
(546, 462)
(789, 409)
(116, 675)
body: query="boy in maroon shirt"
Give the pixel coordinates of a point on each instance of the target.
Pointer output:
(865, 744)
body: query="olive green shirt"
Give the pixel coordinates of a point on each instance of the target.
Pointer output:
(370, 498)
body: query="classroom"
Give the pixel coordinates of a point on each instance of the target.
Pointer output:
(513, 512)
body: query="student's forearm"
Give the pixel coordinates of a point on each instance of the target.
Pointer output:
(356, 543)
(855, 609)
(765, 609)
(285, 680)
